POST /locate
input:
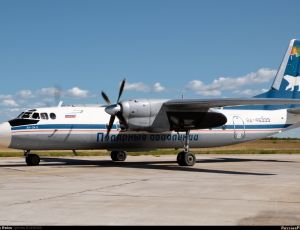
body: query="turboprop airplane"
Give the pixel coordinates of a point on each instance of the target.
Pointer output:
(146, 124)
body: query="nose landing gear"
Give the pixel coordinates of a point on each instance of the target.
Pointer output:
(31, 159)
(118, 155)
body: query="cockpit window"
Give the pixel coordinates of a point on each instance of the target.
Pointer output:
(26, 115)
(44, 116)
(20, 116)
(36, 116)
(25, 118)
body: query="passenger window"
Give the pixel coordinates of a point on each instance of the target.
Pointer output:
(44, 116)
(36, 116)
(52, 116)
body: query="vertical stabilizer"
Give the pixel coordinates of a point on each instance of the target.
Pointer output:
(287, 60)
(287, 79)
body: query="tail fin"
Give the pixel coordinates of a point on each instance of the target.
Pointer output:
(288, 74)
(287, 80)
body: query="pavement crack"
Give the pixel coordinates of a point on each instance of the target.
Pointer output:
(78, 192)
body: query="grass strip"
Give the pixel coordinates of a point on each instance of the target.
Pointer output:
(153, 153)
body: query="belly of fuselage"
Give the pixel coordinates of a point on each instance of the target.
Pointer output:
(72, 139)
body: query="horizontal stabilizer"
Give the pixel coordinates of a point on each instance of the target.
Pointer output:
(294, 111)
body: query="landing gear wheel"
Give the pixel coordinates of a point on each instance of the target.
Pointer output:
(32, 159)
(118, 155)
(186, 159)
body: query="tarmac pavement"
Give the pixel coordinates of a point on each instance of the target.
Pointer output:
(148, 190)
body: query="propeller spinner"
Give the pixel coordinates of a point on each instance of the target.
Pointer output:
(113, 109)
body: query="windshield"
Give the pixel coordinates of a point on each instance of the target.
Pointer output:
(20, 116)
(26, 115)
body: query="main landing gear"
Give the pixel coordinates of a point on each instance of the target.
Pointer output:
(31, 159)
(118, 155)
(186, 158)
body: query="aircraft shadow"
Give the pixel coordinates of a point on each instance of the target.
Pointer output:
(158, 165)
(230, 159)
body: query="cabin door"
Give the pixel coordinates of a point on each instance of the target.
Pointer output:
(239, 127)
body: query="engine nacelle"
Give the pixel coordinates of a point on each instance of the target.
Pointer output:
(145, 115)
(152, 116)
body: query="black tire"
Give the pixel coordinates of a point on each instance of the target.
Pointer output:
(190, 159)
(32, 160)
(180, 157)
(118, 155)
(186, 159)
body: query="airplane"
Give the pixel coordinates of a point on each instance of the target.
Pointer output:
(148, 124)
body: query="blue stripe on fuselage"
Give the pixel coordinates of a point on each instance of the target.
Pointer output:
(63, 126)
(103, 126)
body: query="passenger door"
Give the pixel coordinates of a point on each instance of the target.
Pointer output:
(239, 127)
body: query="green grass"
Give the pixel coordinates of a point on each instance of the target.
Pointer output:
(156, 152)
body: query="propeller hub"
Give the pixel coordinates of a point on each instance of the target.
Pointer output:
(113, 109)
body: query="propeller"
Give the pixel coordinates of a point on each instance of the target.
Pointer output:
(113, 109)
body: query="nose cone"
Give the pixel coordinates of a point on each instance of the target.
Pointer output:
(5, 135)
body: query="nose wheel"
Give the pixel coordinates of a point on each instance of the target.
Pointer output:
(31, 159)
(186, 158)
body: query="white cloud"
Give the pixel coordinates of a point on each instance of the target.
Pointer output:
(5, 96)
(25, 94)
(138, 86)
(51, 91)
(77, 92)
(250, 92)
(157, 88)
(200, 88)
(142, 87)
(9, 102)
(14, 110)
(41, 104)
(230, 83)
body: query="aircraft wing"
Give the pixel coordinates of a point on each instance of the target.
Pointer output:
(186, 114)
(202, 104)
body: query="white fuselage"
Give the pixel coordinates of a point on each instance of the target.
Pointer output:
(85, 128)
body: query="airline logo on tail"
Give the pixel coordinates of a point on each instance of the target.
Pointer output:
(287, 80)
(291, 74)
(295, 51)
(292, 82)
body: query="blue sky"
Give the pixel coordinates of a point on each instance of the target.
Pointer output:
(163, 47)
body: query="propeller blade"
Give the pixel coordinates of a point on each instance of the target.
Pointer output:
(122, 120)
(121, 89)
(111, 122)
(114, 109)
(105, 97)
